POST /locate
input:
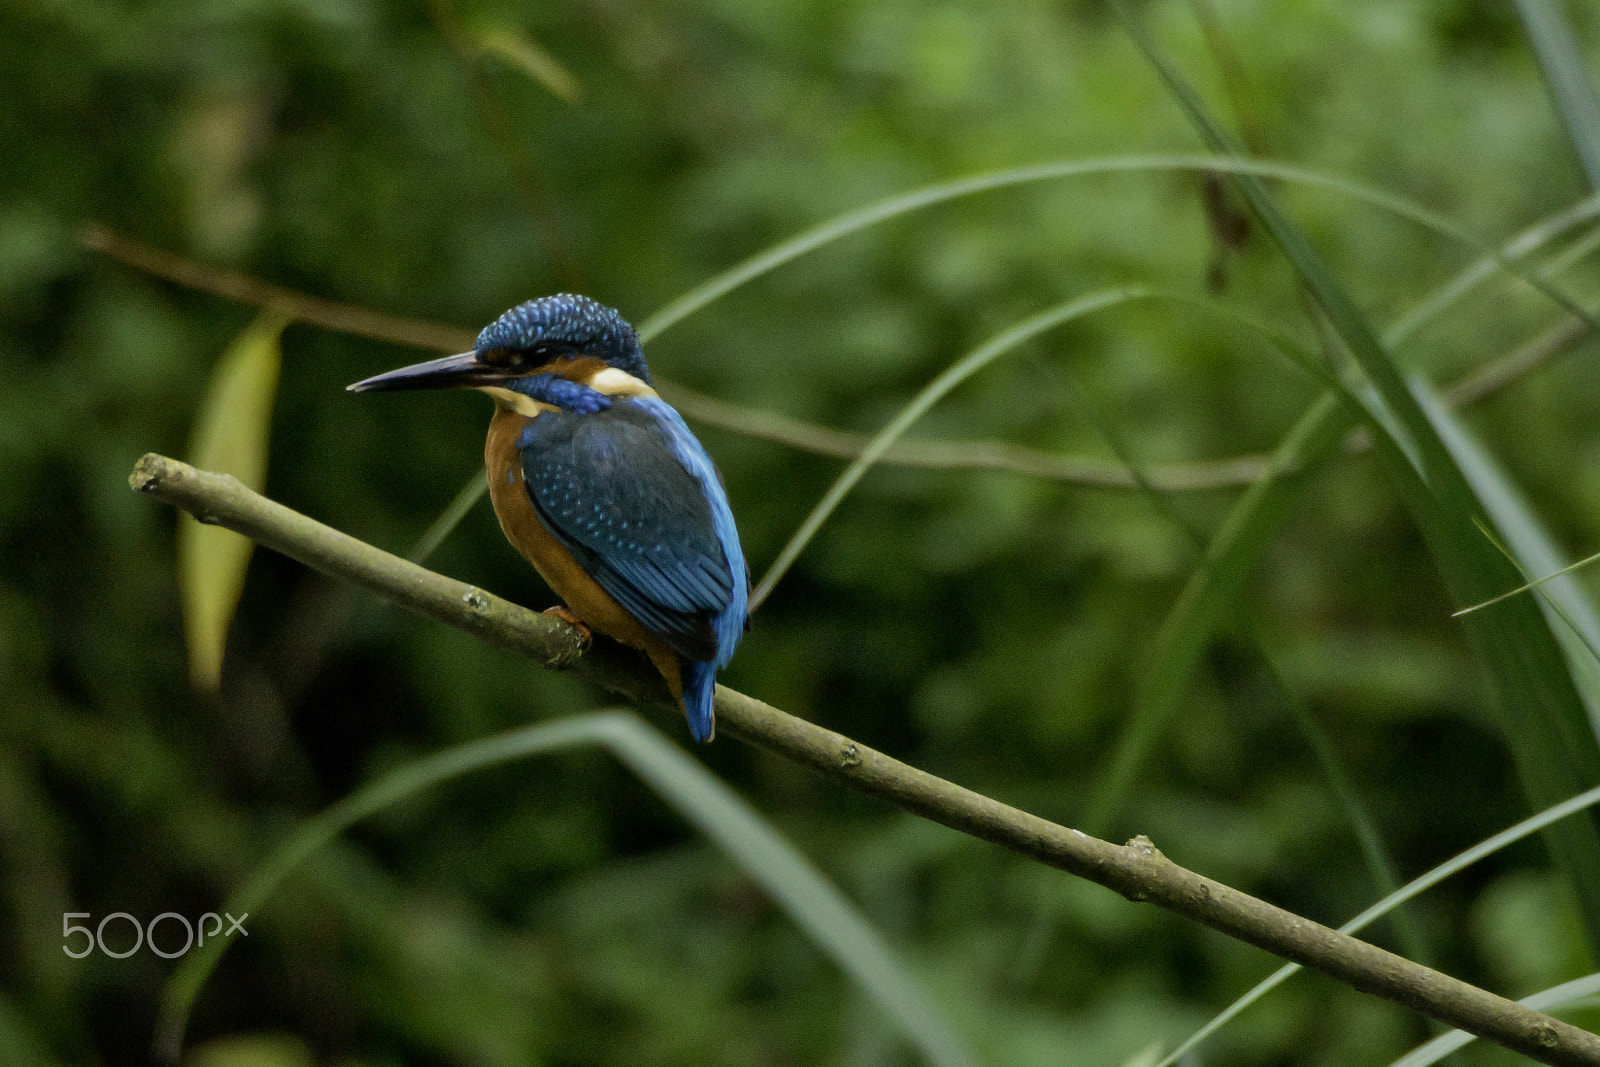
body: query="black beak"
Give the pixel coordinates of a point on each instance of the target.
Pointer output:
(442, 373)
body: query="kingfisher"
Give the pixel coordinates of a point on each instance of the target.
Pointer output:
(601, 486)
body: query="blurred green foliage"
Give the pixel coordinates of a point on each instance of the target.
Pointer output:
(987, 627)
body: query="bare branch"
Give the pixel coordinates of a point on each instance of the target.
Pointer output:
(957, 455)
(1136, 870)
(780, 429)
(219, 281)
(768, 426)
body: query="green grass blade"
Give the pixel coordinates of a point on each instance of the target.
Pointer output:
(1525, 243)
(1210, 593)
(931, 394)
(1578, 627)
(470, 493)
(1373, 850)
(1561, 60)
(1566, 994)
(1534, 584)
(1345, 795)
(1488, 847)
(513, 46)
(810, 899)
(863, 218)
(1239, 543)
(1539, 708)
(1215, 585)
(185, 982)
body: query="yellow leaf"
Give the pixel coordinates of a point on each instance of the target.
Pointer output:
(230, 435)
(524, 53)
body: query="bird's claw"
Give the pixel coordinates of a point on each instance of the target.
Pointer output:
(566, 616)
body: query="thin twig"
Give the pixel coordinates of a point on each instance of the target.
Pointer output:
(1492, 377)
(957, 455)
(330, 315)
(780, 429)
(1136, 870)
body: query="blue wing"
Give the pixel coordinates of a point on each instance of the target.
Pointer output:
(625, 491)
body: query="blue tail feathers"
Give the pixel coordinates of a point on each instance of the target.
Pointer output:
(699, 685)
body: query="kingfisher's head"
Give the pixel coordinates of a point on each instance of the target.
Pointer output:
(533, 337)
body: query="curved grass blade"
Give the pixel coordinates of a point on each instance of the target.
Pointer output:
(1488, 847)
(1239, 543)
(1571, 614)
(851, 222)
(1211, 588)
(962, 454)
(1526, 587)
(1561, 60)
(450, 518)
(812, 901)
(1552, 607)
(1526, 242)
(231, 434)
(1567, 994)
(825, 915)
(1539, 707)
(1211, 592)
(862, 218)
(930, 395)
(1344, 791)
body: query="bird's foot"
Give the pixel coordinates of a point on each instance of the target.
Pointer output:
(571, 620)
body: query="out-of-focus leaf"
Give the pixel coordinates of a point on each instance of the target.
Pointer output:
(525, 54)
(23, 1048)
(1561, 59)
(231, 434)
(252, 1050)
(813, 902)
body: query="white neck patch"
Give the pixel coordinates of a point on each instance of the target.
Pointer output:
(614, 382)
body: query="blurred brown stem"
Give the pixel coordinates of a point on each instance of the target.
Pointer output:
(1136, 870)
(497, 118)
(807, 437)
(330, 315)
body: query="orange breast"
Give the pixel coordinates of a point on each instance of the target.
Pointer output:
(554, 563)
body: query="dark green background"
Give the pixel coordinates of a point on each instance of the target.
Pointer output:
(988, 627)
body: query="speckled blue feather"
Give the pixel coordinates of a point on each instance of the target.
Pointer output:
(569, 325)
(630, 492)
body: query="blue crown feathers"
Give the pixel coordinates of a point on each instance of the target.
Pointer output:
(567, 324)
